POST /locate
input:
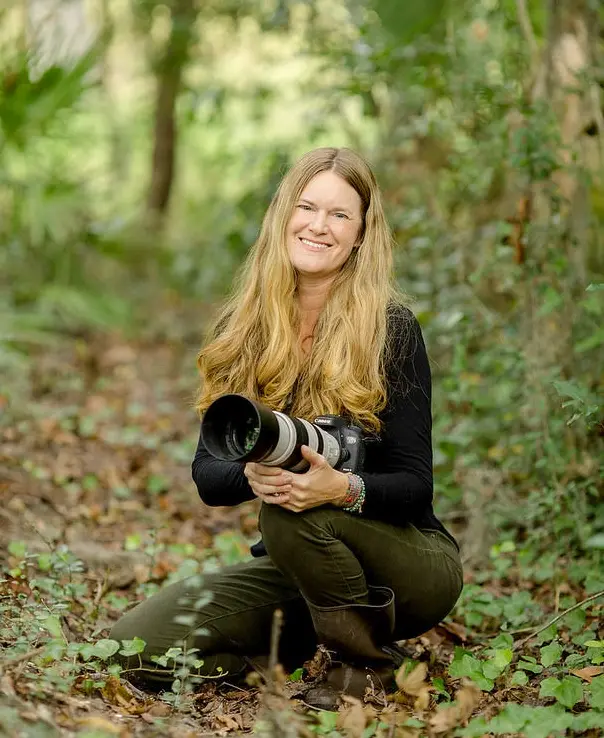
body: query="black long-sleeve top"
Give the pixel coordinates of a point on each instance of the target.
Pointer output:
(398, 469)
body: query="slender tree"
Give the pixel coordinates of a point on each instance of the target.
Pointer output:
(169, 75)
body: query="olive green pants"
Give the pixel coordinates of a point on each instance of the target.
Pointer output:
(323, 556)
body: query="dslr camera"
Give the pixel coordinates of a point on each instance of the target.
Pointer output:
(235, 428)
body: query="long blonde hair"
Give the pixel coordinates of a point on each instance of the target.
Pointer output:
(252, 347)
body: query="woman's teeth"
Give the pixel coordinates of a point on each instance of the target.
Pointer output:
(314, 244)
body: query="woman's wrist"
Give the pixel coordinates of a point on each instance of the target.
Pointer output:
(342, 490)
(355, 497)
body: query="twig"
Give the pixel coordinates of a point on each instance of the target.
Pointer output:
(274, 652)
(541, 628)
(524, 20)
(7, 663)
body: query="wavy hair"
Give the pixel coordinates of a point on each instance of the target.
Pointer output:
(252, 347)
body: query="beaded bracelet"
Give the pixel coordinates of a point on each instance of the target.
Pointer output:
(355, 498)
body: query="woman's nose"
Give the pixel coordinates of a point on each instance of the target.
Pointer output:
(319, 222)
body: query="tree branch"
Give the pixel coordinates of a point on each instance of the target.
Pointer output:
(519, 644)
(527, 29)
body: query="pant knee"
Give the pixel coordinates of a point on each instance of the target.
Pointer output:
(285, 533)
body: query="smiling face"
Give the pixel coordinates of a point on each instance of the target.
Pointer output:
(324, 226)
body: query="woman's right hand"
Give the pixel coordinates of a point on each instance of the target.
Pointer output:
(268, 483)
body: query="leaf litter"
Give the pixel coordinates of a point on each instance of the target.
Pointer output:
(100, 464)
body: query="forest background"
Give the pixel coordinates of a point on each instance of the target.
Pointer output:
(140, 143)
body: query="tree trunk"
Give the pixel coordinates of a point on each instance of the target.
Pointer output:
(560, 214)
(169, 77)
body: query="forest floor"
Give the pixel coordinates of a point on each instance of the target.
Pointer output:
(98, 510)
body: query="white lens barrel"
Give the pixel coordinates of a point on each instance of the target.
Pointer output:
(288, 438)
(286, 443)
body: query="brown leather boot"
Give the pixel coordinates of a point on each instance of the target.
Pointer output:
(356, 633)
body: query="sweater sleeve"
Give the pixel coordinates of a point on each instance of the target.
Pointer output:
(399, 486)
(219, 483)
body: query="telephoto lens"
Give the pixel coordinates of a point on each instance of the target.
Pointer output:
(235, 428)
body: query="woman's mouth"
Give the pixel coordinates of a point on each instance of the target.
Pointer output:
(314, 245)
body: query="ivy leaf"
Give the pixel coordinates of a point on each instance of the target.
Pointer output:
(105, 648)
(529, 666)
(53, 625)
(596, 693)
(520, 678)
(133, 647)
(551, 654)
(548, 687)
(567, 691)
(570, 692)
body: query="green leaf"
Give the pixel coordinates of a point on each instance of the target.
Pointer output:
(439, 687)
(548, 687)
(296, 676)
(551, 654)
(547, 635)
(18, 549)
(529, 666)
(133, 647)
(594, 286)
(596, 541)
(406, 21)
(520, 678)
(570, 691)
(566, 388)
(105, 648)
(503, 640)
(596, 692)
(567, 691)
(53, 625)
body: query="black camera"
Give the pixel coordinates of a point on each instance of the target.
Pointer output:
(235, 428)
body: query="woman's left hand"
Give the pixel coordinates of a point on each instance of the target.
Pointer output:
(320, 485)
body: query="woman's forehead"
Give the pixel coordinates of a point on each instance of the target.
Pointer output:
(328, 189)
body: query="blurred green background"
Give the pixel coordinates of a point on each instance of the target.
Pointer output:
(141, 141)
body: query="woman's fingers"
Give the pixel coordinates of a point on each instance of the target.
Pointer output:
(275, 478)
(270, 495)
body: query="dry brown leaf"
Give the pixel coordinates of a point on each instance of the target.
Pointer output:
(231, 722)
(467, 698)
(452, 716)
(414, 685)
(117, 693)
(413, 682)
(588, 672)
(316, 668)
(445, 719)
(353, 718)
(159, 709)
(454, 629)
(95, 722)
(6, 686)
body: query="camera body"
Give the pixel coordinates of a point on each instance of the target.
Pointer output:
(350, 441)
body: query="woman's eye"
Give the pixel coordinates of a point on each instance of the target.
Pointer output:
(341, 215)
(303, 206)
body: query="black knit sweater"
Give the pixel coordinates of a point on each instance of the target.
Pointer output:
(397, 470)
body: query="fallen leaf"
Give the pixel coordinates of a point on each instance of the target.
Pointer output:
(96, 723)
(413, 682)
(6, 686)
(414, 685)
(316, 668)
(466, 700)
(454, 629)
(231, 722)
(353, 718)
(588, 672)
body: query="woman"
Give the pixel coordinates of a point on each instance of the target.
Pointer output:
(355, 561)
